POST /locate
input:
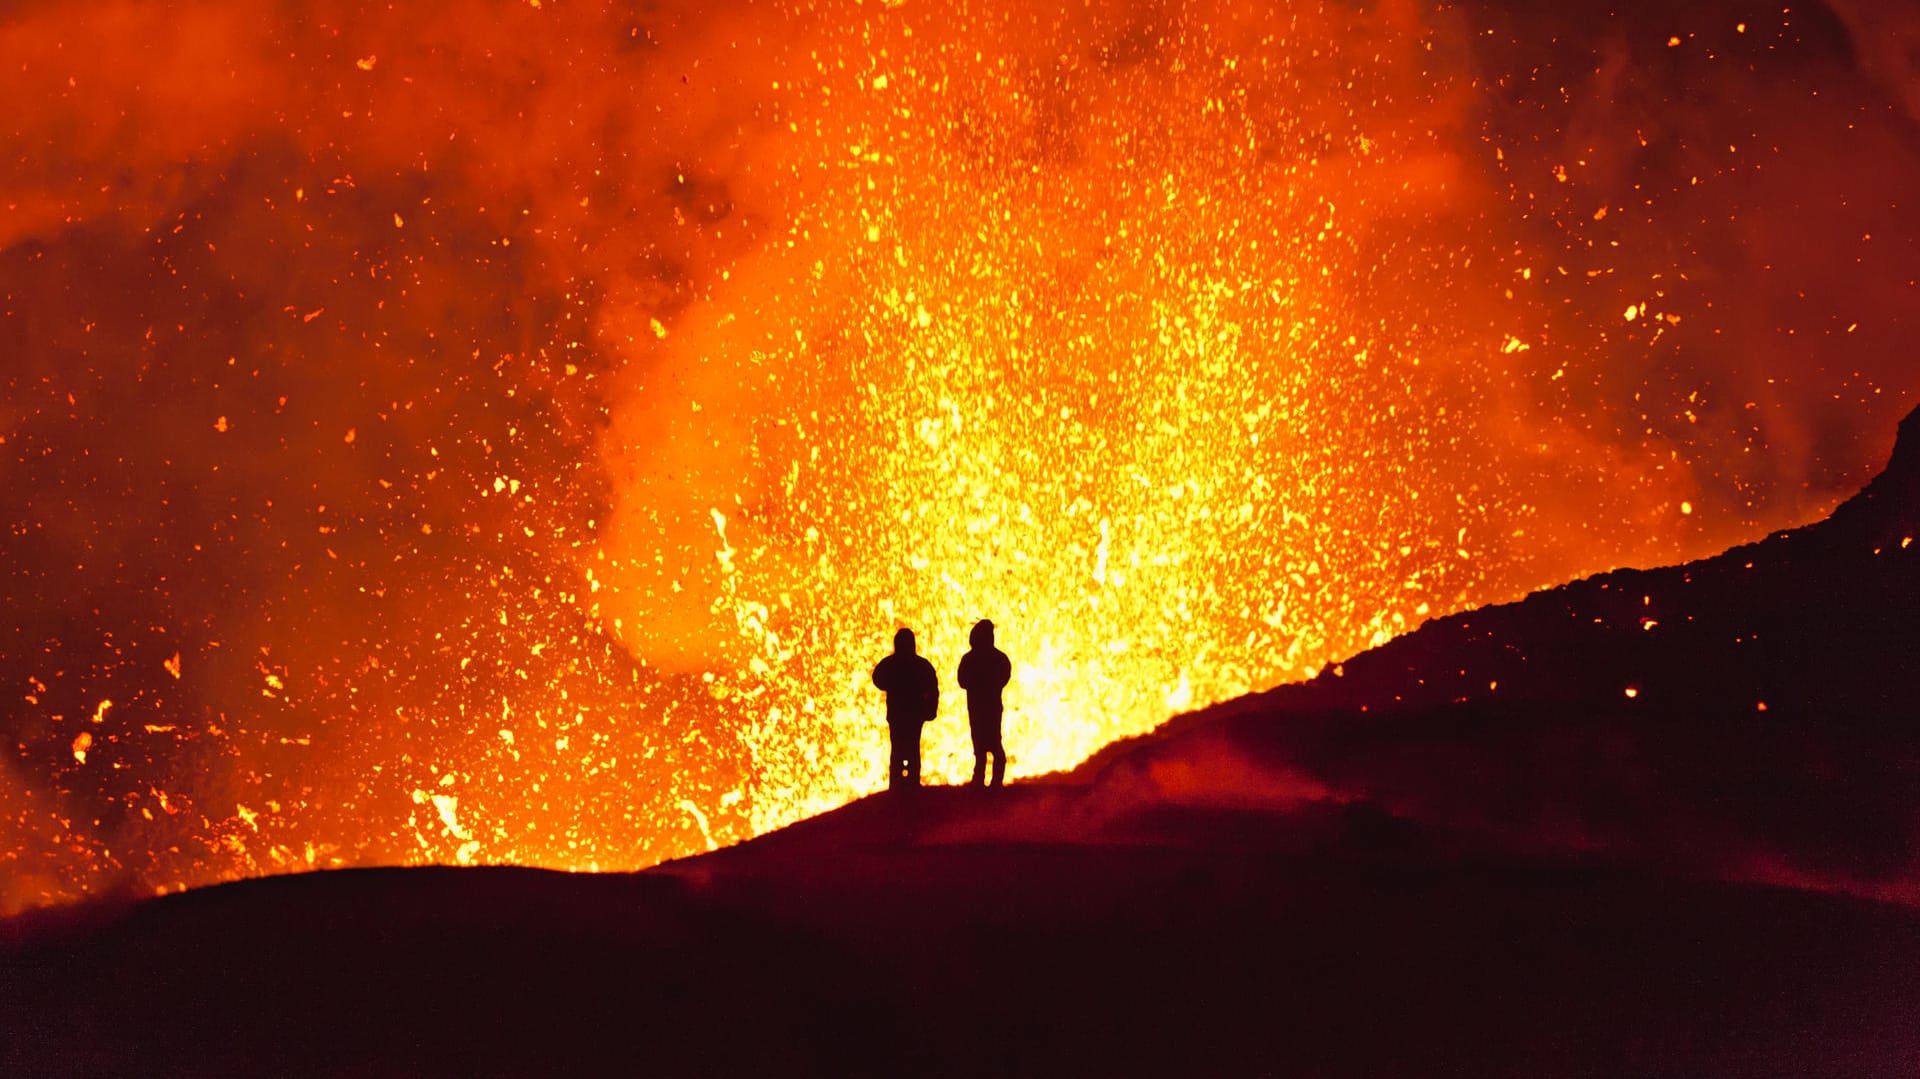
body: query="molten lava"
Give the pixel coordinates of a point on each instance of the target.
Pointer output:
(511, 433)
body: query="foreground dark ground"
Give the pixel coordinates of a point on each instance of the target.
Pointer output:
(1469, 852)
(1225, 943)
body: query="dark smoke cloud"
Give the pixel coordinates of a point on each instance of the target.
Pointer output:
(1886, 37)
(1741, 171)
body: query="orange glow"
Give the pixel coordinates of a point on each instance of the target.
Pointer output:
(510, 434)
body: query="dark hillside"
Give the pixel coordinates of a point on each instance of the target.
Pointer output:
(1756, 713)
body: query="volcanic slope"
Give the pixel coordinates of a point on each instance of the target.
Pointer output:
(1756, 713)
(1469, 852)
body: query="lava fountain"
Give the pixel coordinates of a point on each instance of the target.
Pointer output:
(510, 433)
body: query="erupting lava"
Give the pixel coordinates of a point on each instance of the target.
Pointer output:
(511, 433)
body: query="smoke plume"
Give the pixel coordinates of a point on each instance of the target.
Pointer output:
(509, 431)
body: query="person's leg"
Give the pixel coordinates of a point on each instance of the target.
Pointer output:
(982, 746)
(999, 751)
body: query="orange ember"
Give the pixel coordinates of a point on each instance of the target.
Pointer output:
(511, 433)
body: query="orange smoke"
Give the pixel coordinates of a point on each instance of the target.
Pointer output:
(508, 432)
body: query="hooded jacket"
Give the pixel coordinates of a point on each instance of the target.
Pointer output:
(912, 689)
(984, 672)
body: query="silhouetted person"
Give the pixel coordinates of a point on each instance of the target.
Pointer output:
(913, 698)
(984, 672)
